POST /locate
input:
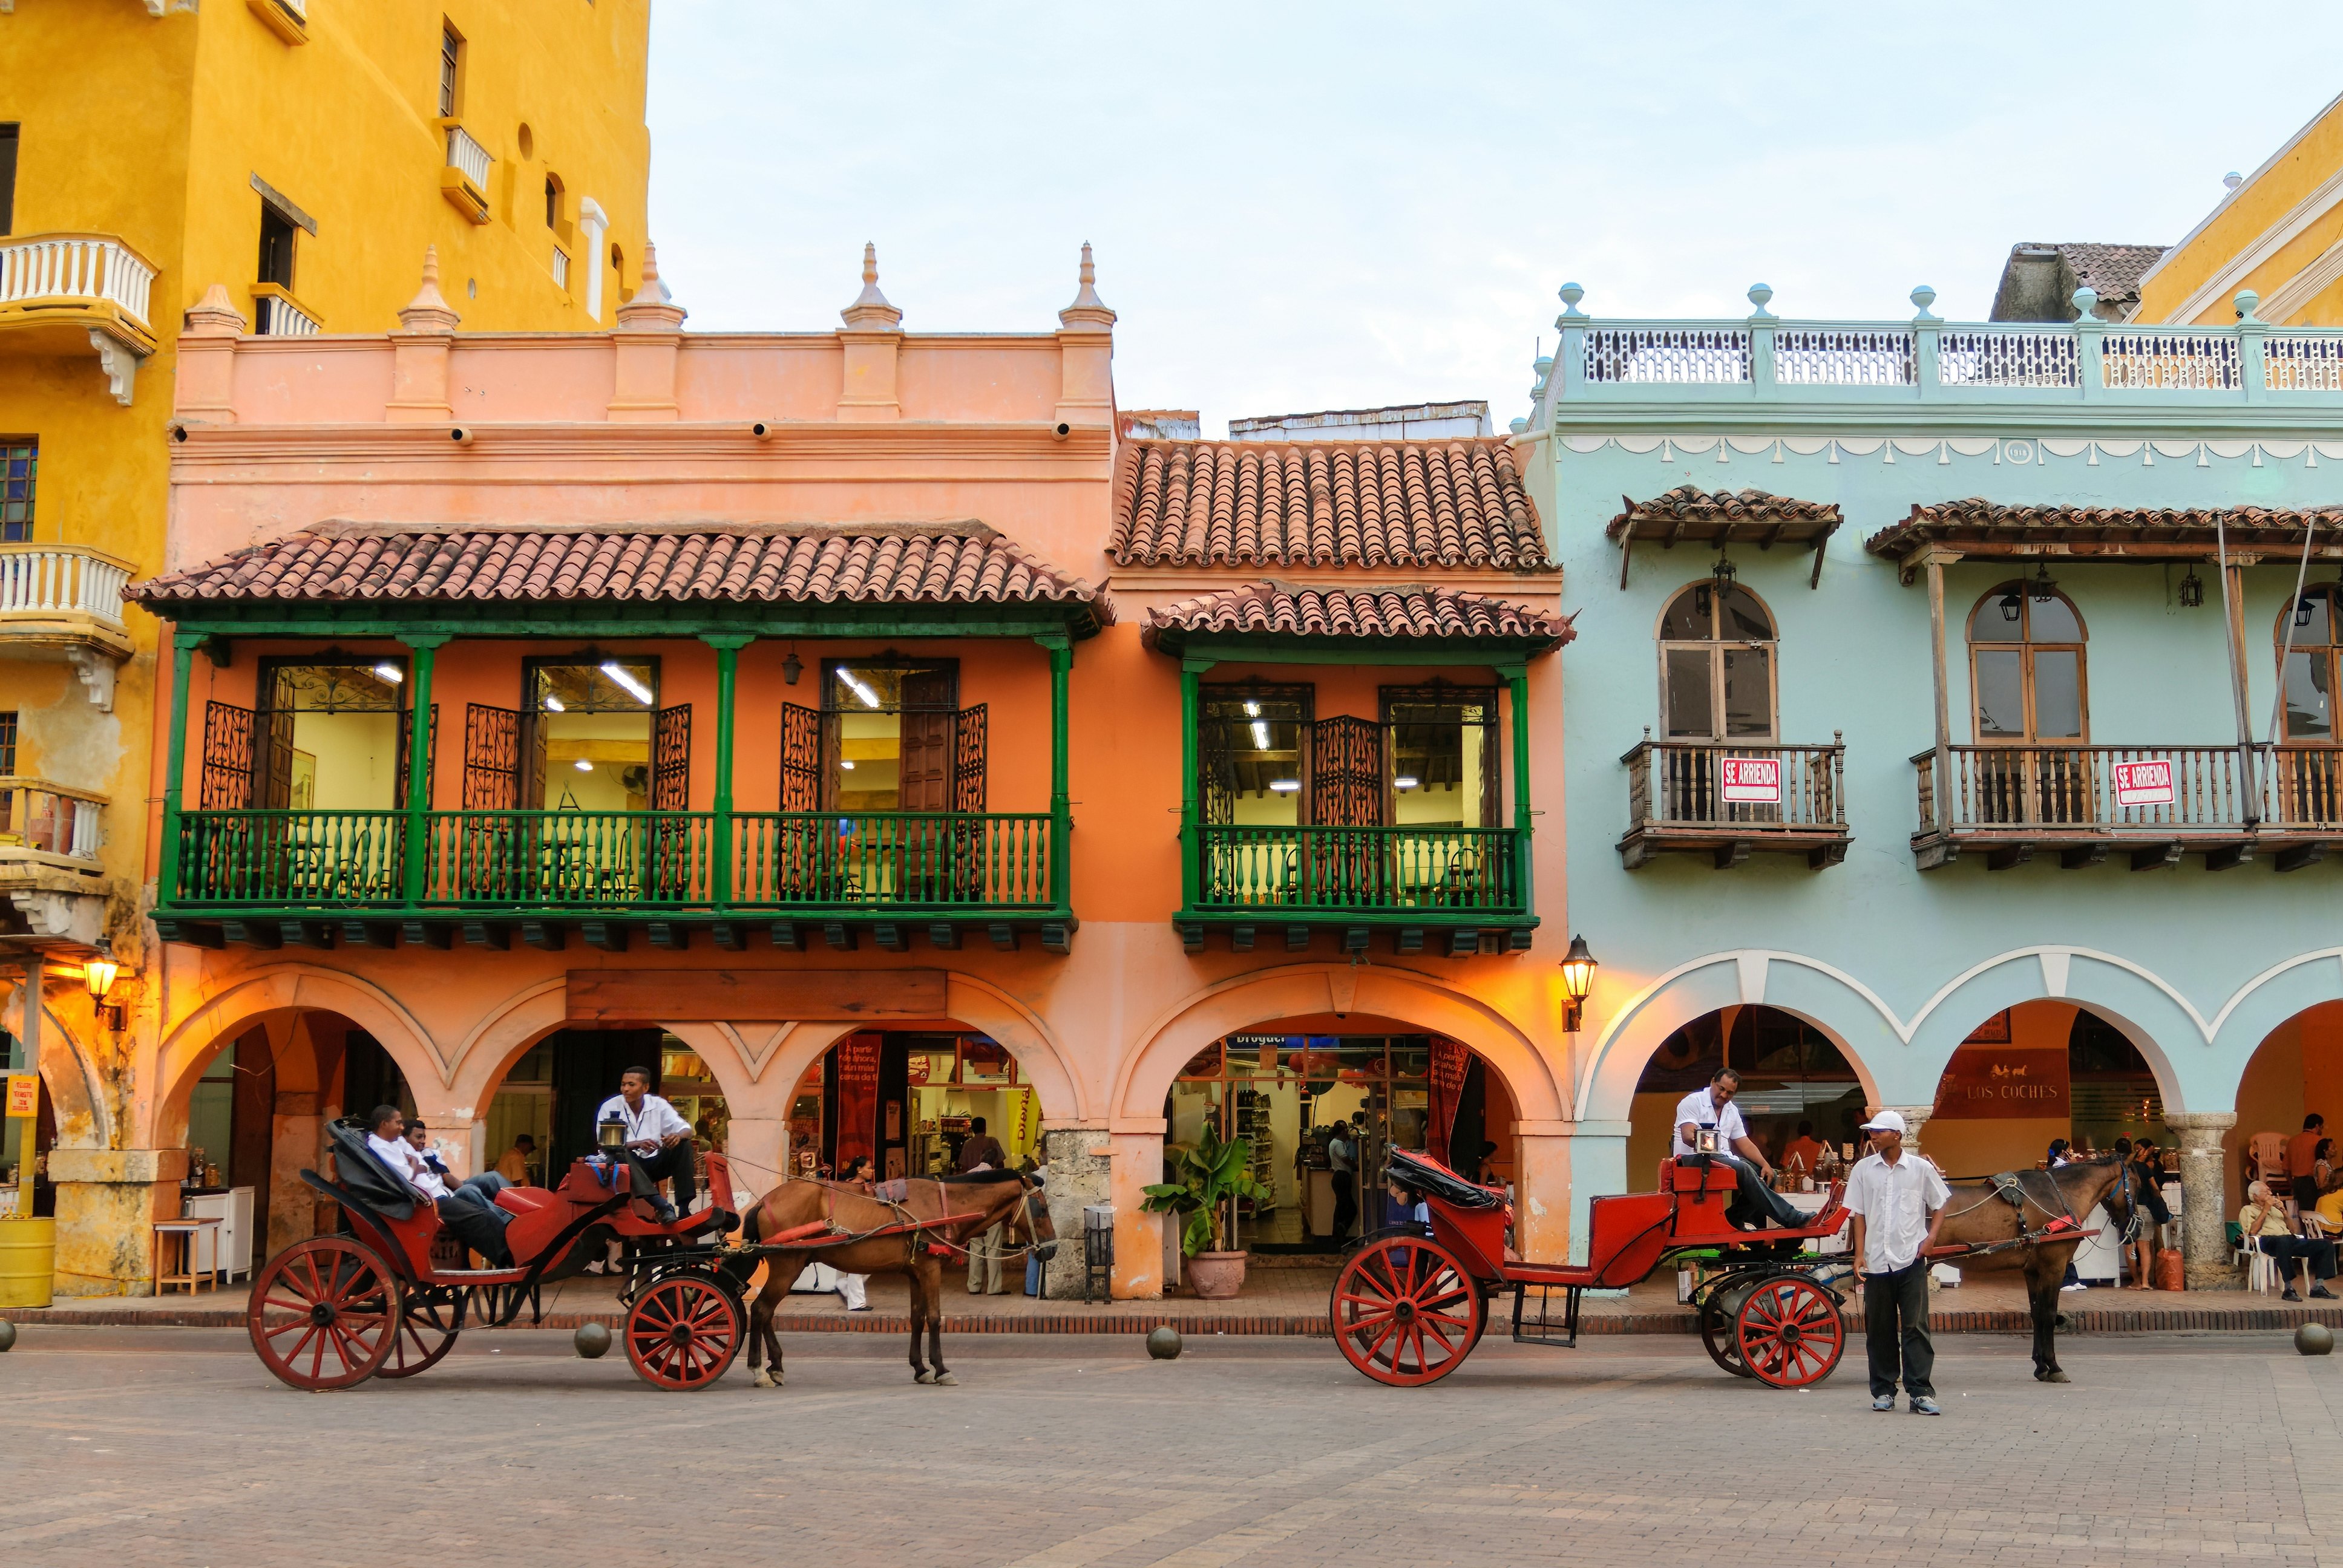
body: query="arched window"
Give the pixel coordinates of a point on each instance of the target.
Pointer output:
(2310, 663)
(2026, 665)
(1716, 665)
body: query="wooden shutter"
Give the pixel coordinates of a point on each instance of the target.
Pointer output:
(1494, 761)
(430, 761)
(925, 769)
(800, 759)
(491, 759)
(273, 743)
(671, 759)
(228, 732)
(968, 759)
(1217, 771)
(1346, 773)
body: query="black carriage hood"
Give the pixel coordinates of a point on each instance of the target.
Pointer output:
(1426, 1174)
(362, 1172)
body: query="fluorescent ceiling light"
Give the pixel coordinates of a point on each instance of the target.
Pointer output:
(1406, 781)
(847, 763)
(1285, 785)
(628, 680)
(553, 703)
(854, 684)
(1252, 711)
(390, 672)
(1260, 734)
(584, 766)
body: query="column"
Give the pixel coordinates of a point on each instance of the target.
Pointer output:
(1081, 1173)
(1597, 1166)
(1915, 1117)
(2204, 1198)
(418, 769)
(727, 647)
(1542, 1227)
(107, 1202)
(1191, 674)
(174, 769)
(1517, 684)
(1137, 1161)
(1062, 666)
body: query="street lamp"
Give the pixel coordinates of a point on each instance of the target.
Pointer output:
(1578, 968)
(98, 972)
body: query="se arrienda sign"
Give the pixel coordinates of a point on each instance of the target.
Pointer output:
(2143, 783)
(1752, 780)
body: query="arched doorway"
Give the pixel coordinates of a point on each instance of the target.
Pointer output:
(1795, 1083)
(2037, 1071)
(913, 1100)
(550, 1093)
(2295, 1073)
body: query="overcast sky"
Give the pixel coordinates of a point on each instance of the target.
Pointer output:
(1302, 207)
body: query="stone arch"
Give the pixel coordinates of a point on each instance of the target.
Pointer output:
(1146, 1075)
(77, 1099)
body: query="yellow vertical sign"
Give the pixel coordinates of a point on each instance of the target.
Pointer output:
(24, 1094)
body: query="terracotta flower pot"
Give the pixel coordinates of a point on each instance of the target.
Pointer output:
(1216, 1276)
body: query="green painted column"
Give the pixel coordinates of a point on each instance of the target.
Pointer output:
(1517, 683)
(728, 668)
(425, 646)
(183, 659)
(1192, 672)
(1061, 816)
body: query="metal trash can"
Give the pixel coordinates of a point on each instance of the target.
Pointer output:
(1098, 1252)
(28, 1261)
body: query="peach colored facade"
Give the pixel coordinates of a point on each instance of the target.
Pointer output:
(649, 427)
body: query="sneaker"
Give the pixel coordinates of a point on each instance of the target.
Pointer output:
(1884, 1402)
(2063, 1289)
(1926, 1404)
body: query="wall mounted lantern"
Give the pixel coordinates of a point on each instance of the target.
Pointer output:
(2192, 591)
(1578, 967)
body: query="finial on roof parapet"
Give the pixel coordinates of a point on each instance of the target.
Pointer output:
(1571, 294)
(428, 311)
(1923, 297)
(1088, 309)
(2087, 304)
(1758, 295)
(650, 309)
(216, 314)
(1519, 426)
(2246, 302)
(870, 308)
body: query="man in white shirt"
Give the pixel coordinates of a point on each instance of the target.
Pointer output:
(657, 1140)
(1899, 1203)
(467, 1208)
(1712, 1109)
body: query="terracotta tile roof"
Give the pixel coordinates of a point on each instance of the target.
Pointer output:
(1398, 610)
(2167, 532)
(1689, 512)
(948, 564)
(1409, 504)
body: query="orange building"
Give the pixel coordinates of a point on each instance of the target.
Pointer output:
(854, 721)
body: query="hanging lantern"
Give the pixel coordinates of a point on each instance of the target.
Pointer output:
(791, 668)
(2012, 603)
(1723, 573)
(2192, 591)
(2043, 589)
(2304, 607)
(1578, 966)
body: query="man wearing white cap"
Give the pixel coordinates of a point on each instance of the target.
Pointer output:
(1898, 1202)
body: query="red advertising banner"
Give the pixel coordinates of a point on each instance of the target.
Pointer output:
(2002, 1082)
(1450, 1062)
(857, 1098)
(2143, 783)
(1752, 780)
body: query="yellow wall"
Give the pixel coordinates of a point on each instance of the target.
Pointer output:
(2264, 207)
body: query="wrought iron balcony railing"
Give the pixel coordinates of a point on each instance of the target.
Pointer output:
(1280, 873)
(1728, 799)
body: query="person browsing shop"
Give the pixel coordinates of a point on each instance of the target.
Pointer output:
(1899, 1203)
(658, 1140)
(1805, 1155)
(981, 1150)
(1712, 1110)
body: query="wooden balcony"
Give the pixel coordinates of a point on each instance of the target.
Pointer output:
(268, 877)
(1290, 882)
(2155, 805)
(1728, 801)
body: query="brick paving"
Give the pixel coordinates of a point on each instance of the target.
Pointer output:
(149, 1447)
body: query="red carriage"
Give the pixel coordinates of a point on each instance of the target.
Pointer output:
(1412, 1301)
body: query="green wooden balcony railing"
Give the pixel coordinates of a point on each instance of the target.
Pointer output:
(618, 862)
(1412, 872)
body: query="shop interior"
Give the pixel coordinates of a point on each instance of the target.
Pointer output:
(591, 719)
(909, 1099)
(1790, 1074)
(553, 1091)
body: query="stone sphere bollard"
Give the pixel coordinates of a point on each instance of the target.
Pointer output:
(2315, 1340)
(593, 1340)
(8, 1335)
(1163, 1343)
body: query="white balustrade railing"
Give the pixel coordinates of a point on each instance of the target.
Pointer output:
(1844, 356)
(300, 8)
(60, 579)
(1999, 356)
(560, 267)
(467, 156)
(2171, 361)
(1690, 355)
(86, 266)
(49, 819)
(278, 316)
(2294, 363)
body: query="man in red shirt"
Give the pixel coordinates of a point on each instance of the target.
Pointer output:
(2302, 1160)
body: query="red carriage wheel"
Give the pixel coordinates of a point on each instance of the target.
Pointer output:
(323, 1313)
(1405, 1312)
(431, 1318)
(1789, 1332)
(1716, 1333)
(683, 1331)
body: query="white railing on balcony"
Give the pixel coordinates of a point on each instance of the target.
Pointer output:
(41, 820)
(2171, 361)
(467, 156)
(1663, 354)
(560, 267)
(1993, 356)
(60, 579)
(1843, 357)
(89, 267)
(2302, 364)
(277, 317)
(300, 8)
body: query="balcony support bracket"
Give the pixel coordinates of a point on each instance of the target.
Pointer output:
(2002, 857)
(1464, 942)
(1823, 855)
(2075, 858)
(839, 935)
(608, 936)
(944, 936)
(2295, 857)
(1004, 935)
(1241, 938)
(1191, 937)
(787, 938)
(1354, 939)
(671, 936)
(308, 933)
(426, 934)
(487, 934)
(891, 937)
(2226, 857)
(2155, 857)
(1058, 937)
(191, 933)
(1408, 941)
(729, 935)
(264, 934)
(1731, 855)
(1297, 939)
(370, 934)
(546, 936)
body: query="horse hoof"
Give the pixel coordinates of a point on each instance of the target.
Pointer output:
(945, 1379)
(923, 1377)
(2054, 1376)
(765, 1378)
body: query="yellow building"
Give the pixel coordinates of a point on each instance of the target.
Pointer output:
(2278, 232)
(303, 152)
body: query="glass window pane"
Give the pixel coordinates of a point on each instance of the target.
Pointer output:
(1690, 711)
(2309, 696)
(1748, 691)
(1745, 619)
(1686, 619)
(2051, 620)
(2000, 693)
(2057, 695)
(2001, 617)
(2319, 628)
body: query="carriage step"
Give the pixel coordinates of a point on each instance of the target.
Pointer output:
(1543, 1330)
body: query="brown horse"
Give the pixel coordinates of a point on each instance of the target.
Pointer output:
(987, 1198)
(1976, 1214)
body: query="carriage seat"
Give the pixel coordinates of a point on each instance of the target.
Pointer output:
(527, 1199)
(1681, 1173)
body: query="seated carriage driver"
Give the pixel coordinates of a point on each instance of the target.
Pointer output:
(467, 1208)
(659, 1140)
(1712, 1109)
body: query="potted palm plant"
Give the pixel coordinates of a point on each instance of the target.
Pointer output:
(1213, 1174)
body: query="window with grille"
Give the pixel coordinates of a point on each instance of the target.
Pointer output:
(451, 59)
(20, 463)
(7, 744)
